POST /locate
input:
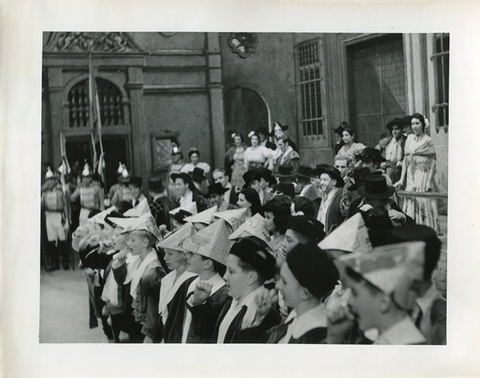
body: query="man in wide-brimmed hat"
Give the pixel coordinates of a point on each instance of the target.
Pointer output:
(285, 174)
(199, 180)
(392, 149)
(380, 212)
(215, 195)
(330, 184)
(188, 193)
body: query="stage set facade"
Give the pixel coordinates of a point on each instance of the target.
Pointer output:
(198, 88)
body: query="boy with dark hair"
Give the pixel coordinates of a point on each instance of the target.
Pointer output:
(306, 278)
(249, 265)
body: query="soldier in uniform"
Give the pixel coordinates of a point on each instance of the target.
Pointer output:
(91, 196)
(54, 203)
(122, 192)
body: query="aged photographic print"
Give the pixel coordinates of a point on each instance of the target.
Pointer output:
(244, 187)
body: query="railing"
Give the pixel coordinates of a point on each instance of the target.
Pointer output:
(403, 193)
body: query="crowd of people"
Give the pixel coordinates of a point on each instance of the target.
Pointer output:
(265, 249)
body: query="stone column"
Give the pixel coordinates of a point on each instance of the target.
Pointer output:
(140, 137)
(214, 85)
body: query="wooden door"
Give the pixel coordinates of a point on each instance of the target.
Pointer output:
(376, 81)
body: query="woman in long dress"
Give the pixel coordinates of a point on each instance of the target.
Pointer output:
(350, 149)
(235, 158)
(418, 171)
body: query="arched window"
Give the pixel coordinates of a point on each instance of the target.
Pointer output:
(109, 97)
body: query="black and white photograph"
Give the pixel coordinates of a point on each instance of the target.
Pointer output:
(244, 187)
(194, 175)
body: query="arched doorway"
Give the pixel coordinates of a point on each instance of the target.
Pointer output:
(245, 111)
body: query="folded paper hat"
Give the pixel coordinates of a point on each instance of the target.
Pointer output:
(351, 236)
(141, 208)
(100, 217)
(391, 268)
(205, 216)
(175, 239)
(255, 226)
(142, 223)
(211, 242)
(192, 209)
(234, 217)
(86, 170)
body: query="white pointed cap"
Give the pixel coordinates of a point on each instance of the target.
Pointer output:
(391, 268)
(234, 217)
(120, 168)
(143, 223)
(255, 226)
(100, 217)
(351, 236)
(141, 208)
(205, 216)
(175, 239)
(211, 242)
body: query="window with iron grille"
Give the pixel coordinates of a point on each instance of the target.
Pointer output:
(440, 59)
(309, 89)
(109, 98)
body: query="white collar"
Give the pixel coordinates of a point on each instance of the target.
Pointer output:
(248, 301)
(168, 288)
(313, 318)
(402, 333)
(188, 195)
(331, 193)
(138, 273)
(425, 302)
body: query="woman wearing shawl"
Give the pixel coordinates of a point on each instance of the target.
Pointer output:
(419, 166)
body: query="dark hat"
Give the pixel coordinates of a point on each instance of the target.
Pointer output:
(216, 188)
(340, 129)
(250, 176)
(255, 254)
(193, 150)
(264, 172)
(135, 180)
(287, 189)
(155, 184)
(180, 215)
(375, 187)
(407, 120)
(184, 176)
(113, 214)
(304, 171)
(262, 130)
(313, 269)
(334, 174)
(283, 127)
(359, 178)
(198, 175)
(371, 154)
(284, 171)
(307, 226)
(395, 122)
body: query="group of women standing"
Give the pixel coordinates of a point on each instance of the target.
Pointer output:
(418, 169)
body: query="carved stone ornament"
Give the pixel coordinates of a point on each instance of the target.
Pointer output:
(242, 44)
(89, 41)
